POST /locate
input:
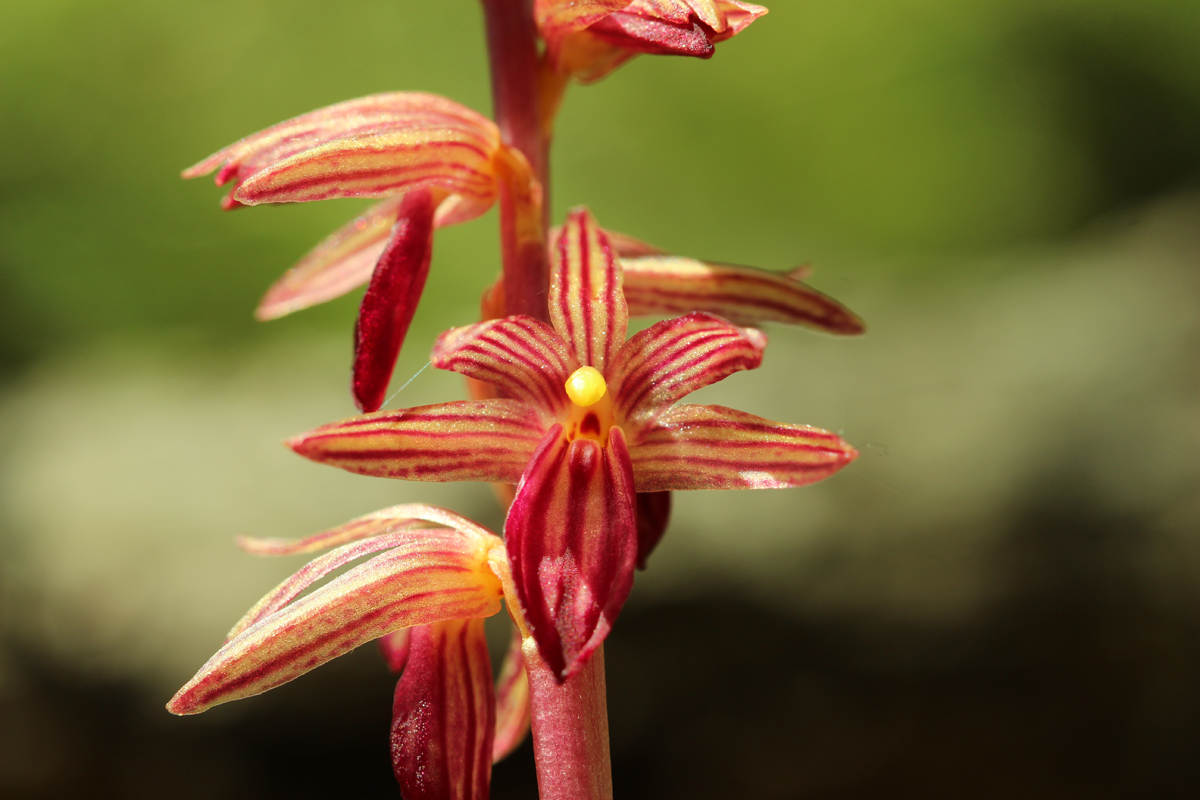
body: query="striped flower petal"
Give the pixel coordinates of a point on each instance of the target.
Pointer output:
(665, 285)
(313, 571)
(372, 115)
(377, 165)
(572, 543)
(347, 257)
(467, 440)
(587, 306)
(713, 447)
(672, 284)
(443, 716)
(432, 576)
(675, 357)
(389, 520)
(512, 700)
(520, 355)
(391, 299)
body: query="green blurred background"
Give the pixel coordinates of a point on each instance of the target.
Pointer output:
(1000, 598)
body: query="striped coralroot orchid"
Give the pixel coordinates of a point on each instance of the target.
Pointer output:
(425, 591)
(587, 421)
(589, 39)
(436, 162)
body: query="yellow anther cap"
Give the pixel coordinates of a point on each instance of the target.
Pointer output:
(586, 386)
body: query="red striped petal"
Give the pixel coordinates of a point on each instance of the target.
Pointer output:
(713, 447)
(587, 306)
(669, 285)
(512, 700)
(653, 514)
(347, 257)
(675, 357)
(468, 440)
(391, 299)
(365, 116)
(520, 355)
(313, 571)
(388, 520)
(572, 542)
(432, 575)
(443, 716)
(378, 165)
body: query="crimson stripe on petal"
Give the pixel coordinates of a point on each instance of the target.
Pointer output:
(587, 306)
(713, 447)
(377, 165)
(467, 440)
(375, 114)
(313, 571)
(443, 715)
(391, 299)
(432, 576)
(668, 285)
(522, 356)
(675, 357)
(571, 535)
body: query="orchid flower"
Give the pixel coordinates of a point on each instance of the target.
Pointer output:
(438, 163)
(588, 39)
(425, 591)
(588, 420)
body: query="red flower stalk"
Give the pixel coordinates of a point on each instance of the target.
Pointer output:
(587, 420)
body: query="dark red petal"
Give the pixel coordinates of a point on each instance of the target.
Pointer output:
(391, 299)
(443, 718)
(572, 543)
(648, 35)
(653, 514)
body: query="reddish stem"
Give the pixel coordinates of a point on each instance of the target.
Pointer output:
(513, 55)
(570, 729)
